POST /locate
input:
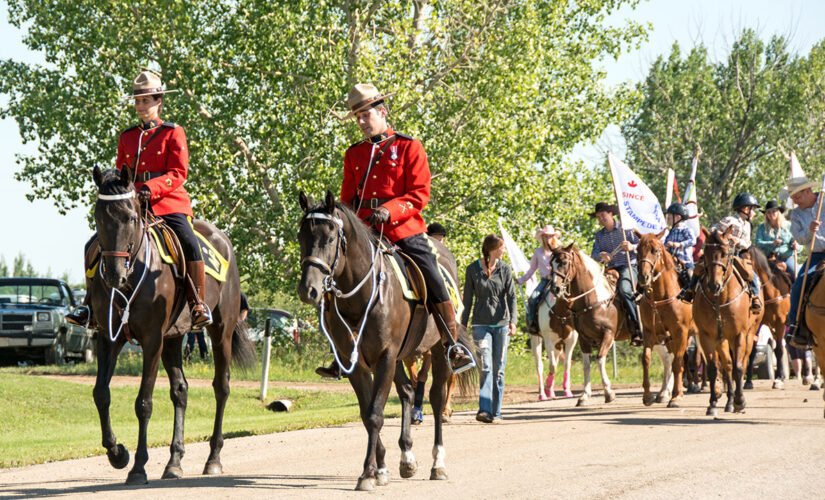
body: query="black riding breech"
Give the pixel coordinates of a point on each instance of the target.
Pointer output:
(425, 255)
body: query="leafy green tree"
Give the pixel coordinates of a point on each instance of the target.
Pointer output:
(738, 111)
(498, 92)
(4, 268)
(22, 267)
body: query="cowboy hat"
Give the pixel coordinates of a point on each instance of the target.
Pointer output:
(148, 83)
(774, 205)
(797, 184)
(362, 96)
(604, 207)
(548, 230)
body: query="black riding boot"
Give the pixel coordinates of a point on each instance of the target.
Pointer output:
(458, 356)
(798, 335)
(82, 315)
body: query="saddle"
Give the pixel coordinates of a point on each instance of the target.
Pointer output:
(408, 273)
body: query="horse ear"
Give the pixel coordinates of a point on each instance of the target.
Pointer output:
(303, 201)
(569, 248)
(661, 234)
(97, 175)
(330, 201)
(126, 175)
(638, 234)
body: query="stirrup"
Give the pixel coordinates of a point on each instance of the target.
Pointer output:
(202, 324)
(460, 369)
(76, 312)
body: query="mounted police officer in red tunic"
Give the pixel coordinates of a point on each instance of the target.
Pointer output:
(387, 182)
(157, 152)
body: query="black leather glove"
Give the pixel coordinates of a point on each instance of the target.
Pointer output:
(379, 216)
(144, 195)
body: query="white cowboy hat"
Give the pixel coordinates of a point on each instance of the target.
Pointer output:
(364, 95)
(148, 83)
(795, 185)
(549, 230)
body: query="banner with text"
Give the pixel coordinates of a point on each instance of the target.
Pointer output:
(638, 206)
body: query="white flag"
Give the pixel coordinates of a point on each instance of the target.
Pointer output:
(669, 192)
(690, 199)
(638, 206)
(518, 261)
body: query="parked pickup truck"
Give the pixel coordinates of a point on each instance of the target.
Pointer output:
(33, 324)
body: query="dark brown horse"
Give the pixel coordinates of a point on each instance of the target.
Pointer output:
(666, 319)
(157, 318)
(578, 282)
(363, 310)
(726, 324)
(776, 287)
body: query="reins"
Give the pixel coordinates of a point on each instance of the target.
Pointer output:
(730, 271)
(330, 287)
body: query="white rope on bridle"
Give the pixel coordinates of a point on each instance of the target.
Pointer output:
(330, 286)
(124, 318)
(116, 197)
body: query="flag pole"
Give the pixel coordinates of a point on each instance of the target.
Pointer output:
(627, 252)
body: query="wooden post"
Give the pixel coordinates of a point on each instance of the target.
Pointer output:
(265, 358)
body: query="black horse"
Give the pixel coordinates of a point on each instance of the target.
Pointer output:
(365, 313)
(156, 316)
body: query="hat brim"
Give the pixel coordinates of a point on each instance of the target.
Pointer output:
(368, 104)
(127, 97)
(808, 185)
(613, 209)
(539, 234)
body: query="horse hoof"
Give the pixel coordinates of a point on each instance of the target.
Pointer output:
(212, 469)
(542, 397)
(445, 419)
(581, 402)
(673, 403)
(658, 399)
(382, 477)
(712, 412)
(568, 393)
(778, 384)
(136, 478)
(695, 389)
(438, 474)
(120, 458)
(739, 408)
(814, 386)
(365, 484)
(729, 408)
(609, 396)
(172, 472)
(748, 385)
(647, 400)
(408, 470)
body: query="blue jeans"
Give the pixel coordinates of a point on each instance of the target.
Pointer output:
(796, 290)
(491, 348)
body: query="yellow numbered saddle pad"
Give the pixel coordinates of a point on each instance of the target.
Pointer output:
(215, 264)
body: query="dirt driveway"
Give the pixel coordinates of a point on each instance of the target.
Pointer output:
(541, 450)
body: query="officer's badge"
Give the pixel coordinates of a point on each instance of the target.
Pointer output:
(393, 152)
(169, 182)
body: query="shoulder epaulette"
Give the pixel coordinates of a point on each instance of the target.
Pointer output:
(355, 144)
(405, 136)
(169, 124)
(130, 128)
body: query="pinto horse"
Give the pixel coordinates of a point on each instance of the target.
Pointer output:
(666, 319)
(726, 324)
(579, 284)
(558, 337)
(156, 316)
(363, 310)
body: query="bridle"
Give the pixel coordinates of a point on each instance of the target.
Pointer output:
(132, 250)
(562, 291)
(649, 284)
(330, 287)
(726, 265)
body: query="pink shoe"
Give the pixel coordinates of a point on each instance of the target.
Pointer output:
(548, 385)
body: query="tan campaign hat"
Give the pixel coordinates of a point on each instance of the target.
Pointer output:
(148, 83)
(364, 95)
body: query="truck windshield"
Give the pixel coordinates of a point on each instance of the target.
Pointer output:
(31, 294)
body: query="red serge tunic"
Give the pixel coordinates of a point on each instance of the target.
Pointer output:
(165, 156)
(400, 178)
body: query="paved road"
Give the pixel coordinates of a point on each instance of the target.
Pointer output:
(549, 449)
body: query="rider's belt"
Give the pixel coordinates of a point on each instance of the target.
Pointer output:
(374, 202)
(147, 176)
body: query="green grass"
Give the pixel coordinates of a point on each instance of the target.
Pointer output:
(46, 419)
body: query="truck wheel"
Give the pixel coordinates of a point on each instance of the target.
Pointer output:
(56, 354)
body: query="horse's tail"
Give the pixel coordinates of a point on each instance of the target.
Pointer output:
(467, 380)
(243, 351)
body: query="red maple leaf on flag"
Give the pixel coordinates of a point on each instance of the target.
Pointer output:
(632, 184)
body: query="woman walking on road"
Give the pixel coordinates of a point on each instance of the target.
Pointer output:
(490, 293)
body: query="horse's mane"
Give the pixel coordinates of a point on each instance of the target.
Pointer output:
(361, 230)
(593, 268)
(111, 183)
(783, 275)
(760, 261)
(650, 240)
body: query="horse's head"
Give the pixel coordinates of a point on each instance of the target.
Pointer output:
(118, 224)
(650, 255)
(718, 257)
(323, 245)
(564, 270)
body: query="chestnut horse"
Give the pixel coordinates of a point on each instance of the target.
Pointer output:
(157, 318)
(666, 319)
(363, 311)
(726, 324)
(815, 316)
(558, 337)
(776, 287)
(580, 286)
